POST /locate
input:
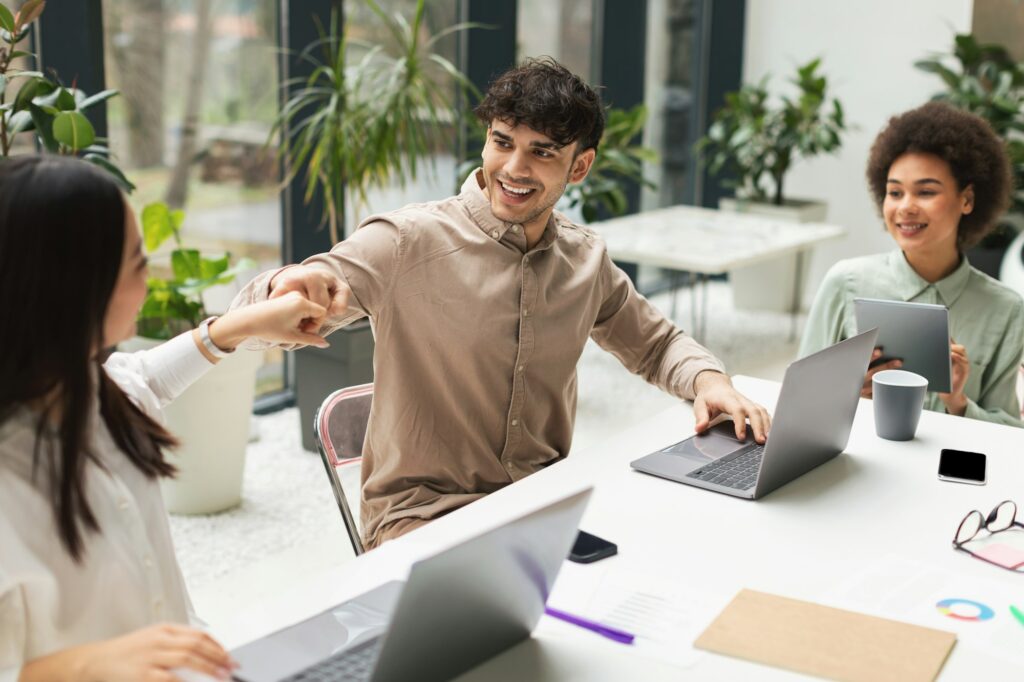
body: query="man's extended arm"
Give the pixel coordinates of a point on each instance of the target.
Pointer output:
(353, 280)
(648, 344)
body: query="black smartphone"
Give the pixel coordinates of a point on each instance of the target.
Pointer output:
(961, 466)
(590, 548)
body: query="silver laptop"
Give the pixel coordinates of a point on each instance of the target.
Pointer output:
(916, 333)
(457, 609)
(812, 423)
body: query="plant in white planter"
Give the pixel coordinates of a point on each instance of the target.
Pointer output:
(752, 140)
(211, 419)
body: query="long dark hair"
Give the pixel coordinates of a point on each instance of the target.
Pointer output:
(62, 227)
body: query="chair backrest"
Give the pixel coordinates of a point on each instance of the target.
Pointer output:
(340, 429)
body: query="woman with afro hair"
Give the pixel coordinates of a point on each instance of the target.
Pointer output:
(941, 179)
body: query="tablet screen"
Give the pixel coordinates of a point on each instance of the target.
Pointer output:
(916, 333)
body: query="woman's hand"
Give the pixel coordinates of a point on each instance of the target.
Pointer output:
(290, 318)
(956, 400)
(866, 389)
(146, 655)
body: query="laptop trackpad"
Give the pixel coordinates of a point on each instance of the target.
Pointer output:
(715, 443)
(288, 651)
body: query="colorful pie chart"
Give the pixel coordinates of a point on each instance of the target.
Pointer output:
(965, 609)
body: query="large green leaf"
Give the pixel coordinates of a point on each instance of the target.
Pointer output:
(185, 263)
(29, 12)
(104, 163)
(44, 128)
(72, 128)
(6, 19)
(158, 223)
(36, 86)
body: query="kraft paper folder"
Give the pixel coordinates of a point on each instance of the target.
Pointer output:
(827, 642)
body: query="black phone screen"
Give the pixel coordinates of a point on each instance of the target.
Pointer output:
(588, 548)
(962, 464)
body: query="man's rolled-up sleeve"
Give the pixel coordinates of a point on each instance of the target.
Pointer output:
(646, 342)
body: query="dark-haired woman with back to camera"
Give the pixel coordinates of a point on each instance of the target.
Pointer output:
(89, 585)
(941, 179)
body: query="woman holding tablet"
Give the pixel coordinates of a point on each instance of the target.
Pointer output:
(89, 585)
(941, 179)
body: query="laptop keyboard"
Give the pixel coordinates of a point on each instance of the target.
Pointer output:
(355, 664)
(735, 471)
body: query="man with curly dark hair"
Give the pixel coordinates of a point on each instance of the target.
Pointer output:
(941, 179)
(481, 305)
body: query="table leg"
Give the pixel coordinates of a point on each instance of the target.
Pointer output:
(674, 278)
(699, 306)
(794, 309)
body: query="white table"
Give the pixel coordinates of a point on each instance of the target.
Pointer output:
(710, 242)
(878, 499)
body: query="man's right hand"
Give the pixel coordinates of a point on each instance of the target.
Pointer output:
(315, 285)
(866, 389)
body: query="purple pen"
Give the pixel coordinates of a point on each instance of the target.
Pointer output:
(609, 632)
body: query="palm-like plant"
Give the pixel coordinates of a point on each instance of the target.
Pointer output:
(350, 127)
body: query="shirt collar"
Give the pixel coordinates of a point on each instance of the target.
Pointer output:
(909, 284)
(479, 207)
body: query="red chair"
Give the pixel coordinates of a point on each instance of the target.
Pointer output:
(340, 429)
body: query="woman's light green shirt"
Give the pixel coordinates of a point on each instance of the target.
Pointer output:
(986, 316)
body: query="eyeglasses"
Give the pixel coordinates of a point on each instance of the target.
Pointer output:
(1002, 518)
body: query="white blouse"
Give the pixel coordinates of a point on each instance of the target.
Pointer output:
(128, 577)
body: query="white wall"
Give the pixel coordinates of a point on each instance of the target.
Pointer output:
(868, 48)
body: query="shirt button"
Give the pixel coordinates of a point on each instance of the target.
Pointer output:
(122, 504)
(494, 234)
(526, 313)
(519, 368)
(515, 229)
(515, 422)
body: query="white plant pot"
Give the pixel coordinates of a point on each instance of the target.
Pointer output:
(769, 286)
(211, 422)
(1011, 272)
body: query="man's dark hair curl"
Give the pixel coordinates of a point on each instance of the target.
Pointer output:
(975, 154)
(544, 95)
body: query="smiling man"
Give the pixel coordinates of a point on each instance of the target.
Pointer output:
(481, 305)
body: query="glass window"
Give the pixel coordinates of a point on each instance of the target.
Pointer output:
(670, 97)
(561, 30)
(198, 82)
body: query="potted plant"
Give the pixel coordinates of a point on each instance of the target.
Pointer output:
(988, 82)
(36, 104)
(211, 419)
(619, 161)
(753, 140)
(357, 123)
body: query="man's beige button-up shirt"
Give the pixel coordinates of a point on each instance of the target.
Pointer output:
(477, 340)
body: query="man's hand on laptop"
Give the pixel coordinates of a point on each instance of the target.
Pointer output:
(314, 284)
(716, 395)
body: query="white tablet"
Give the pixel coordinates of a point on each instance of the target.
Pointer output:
(916, 333)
